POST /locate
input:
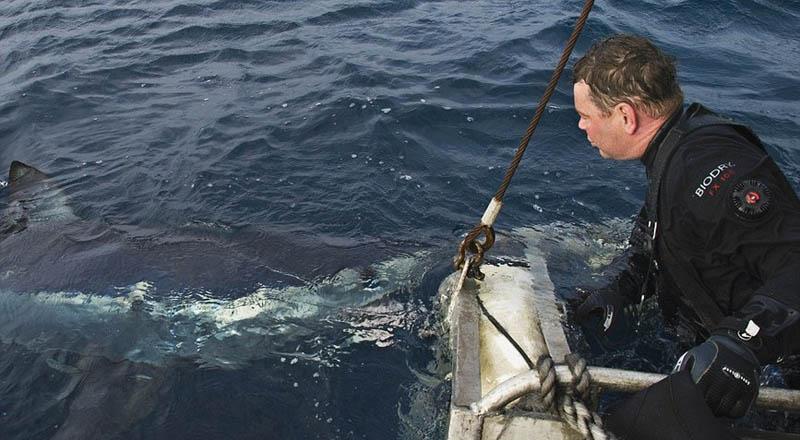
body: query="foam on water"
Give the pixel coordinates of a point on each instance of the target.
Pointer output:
(359, 303)
(156, 114)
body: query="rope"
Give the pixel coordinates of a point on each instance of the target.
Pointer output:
(548, 379)
(571, 407)
(505, 333)
(573, 411)
(551, 87)
(581, 380)
(485, 226)
(583, 420)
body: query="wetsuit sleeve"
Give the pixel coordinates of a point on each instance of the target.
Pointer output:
(634, 264)
(738, 223)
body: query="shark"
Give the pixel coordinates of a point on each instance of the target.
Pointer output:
(117, 312)
(45, 245)
(73, 272)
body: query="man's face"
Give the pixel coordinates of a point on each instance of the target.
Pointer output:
(605, 132)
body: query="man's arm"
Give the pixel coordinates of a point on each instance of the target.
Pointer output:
(773, 307)
(607, 309)
(737, 223)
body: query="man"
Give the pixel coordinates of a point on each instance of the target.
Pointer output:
(718, 239)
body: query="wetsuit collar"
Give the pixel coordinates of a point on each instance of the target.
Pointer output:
(649, 156)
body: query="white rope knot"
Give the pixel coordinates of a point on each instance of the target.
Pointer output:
(548, 380)
(577, 415)
(581, 380)
(583, 420)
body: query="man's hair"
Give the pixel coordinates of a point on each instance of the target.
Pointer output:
(628, 68)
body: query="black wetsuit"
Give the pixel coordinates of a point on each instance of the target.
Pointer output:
(726, 251)
(727, 241)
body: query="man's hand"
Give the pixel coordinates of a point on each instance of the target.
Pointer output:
(726, 372)
(606, 312)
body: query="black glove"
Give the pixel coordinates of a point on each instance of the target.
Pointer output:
(606, 312)
(726, 372)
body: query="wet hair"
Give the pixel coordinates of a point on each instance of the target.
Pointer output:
(629, 68)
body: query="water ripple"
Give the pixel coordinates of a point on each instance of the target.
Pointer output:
(363, 119)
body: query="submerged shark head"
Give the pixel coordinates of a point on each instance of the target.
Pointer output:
(31, 197)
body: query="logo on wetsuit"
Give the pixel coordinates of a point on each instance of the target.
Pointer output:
(712, 183)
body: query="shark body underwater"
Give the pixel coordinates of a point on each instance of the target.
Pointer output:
(117, 313)
(44, 245)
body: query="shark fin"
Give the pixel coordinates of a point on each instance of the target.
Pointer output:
(34, 196)
(20, 171)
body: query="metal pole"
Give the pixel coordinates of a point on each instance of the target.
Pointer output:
(612, 379)
(632, 381)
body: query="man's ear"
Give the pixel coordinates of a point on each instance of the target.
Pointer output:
(630, 120)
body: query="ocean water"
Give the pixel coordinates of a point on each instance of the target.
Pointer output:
(309, 167)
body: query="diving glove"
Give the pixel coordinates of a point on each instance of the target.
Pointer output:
(726, 372)
(607, 312)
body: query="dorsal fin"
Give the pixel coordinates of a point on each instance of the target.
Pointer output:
(19, 170)
(40, 198)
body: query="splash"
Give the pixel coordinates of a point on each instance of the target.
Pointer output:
(314, 321)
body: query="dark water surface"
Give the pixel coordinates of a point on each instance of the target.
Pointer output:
(314, 164)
